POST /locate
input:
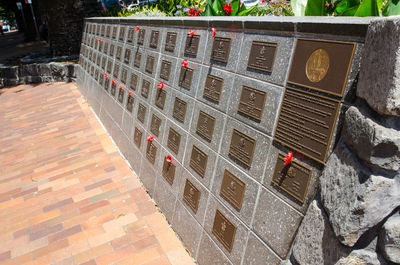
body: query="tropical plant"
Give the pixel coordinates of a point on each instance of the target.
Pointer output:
(233, 8)
(358, 8)
(274, 8)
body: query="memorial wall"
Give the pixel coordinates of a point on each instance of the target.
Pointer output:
(228, 123)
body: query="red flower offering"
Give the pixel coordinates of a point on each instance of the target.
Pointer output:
(105, 75)
(112, 82)
(160, 85)
(137, 28)
(214, 30)
(191, 32)
(120, 87)
(150, 139)
(184, 63)
(288, 158)
(168, 159)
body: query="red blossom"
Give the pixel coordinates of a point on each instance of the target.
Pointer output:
(160, 85)
(214, 30)
(184, 63)
(120, 87)
(198, 12)
(227, 9)
(168, 159)
(191, 32)
(112, 82)
(129, 93)
(137, 28)
(288, 158)
(326, 4)
(98, 40)
(105, 75)
(192, 12)
(150, 139)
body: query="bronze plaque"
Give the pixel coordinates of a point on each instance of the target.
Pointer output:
(165, 70)
(112, 47)
(174, 140)
(151, 152)
(127, 57)
(108, 31)
(101, 79)
(191, 196)
(213, 87)
(129, 103)
(98, 30)
(220, 49)
(137, 138)
(105, 48)
(149, 64)
(292, 178)
(131, 31)
(179, 109)
(106, 83)
(233, 189)
(122, 33)
(252, 102)
(124, 75)
(198, 161)
(205, 125)
(192, 45)
(133, 83)
(145, 88)
(96, 75)
(116, 70)
(140, 40)
(114, 32)
(103, 29)
(306, 122)
(155, 125)
(262, 56)
(138, 59)
(141, 114)
(185, 78)
(224, 230)
(98, 58)
(121, 96)
(103, 63)
(168, 171)
(170, 42)
(154, 39)
(242, 147)
(101, 46)
(109, 66)
(119, 53)
(113, 89)
(322, 65)
(161, 95)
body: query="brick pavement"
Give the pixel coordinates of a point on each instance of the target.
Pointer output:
(66, 194)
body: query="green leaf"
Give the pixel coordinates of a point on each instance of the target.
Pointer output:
(315, 8)
(393, 8)
(368, 8)
(299, 7)
(207, 11)
(235, 6)
(216, 8)
(345, 5)
(248, 11)
(349, 12)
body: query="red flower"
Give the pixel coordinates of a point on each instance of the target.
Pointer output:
(168, 159)
(214, 30)
(120, 87)
(137, 28)
(112, 82)
(326, 4)
(288, 158)
(150, 139)
(105, 75)
(192, 12)
(191, 32)
(160, 85)
(129, 93)
(227, 9)
(184, 63)
(198, 12)
(98, 40)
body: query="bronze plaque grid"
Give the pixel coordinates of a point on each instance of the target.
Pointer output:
(233, 189)
(262, 56)
(192, 45)
(137, 138)
(221, 49)
(155, 125)
(205, 125)
(165, 70)
(198, 161)
(213, 88)
(154, 38)
(306, 123)
(170, 41)
(186, 77)
(174, 140)
(168, 171)
(179, 111)
(242, 147)
(224, 230)
(159, 100)
(191, 196)
(322, 65)
(252, 102)
(151, 152)
(293, 178)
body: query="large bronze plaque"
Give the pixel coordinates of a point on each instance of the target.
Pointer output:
(170, 42)
(151, 152)
(205, 125)
(150, 64)
(306, 122)
(159, 100)
(213, 87)
(192, 45)
(141, 114)
(122, 34)
(322, 65)
(142, 33)
(112, 47)
(242, 147)
(131, 31)
(221, 49)
(252, 102)
(198, 161)
(292, 178)
(129, 103)
(179, 111)
(165, 70)
(137, 138)
(168, 171)
(185, 77)
(124, 75)
(133, 83)
(145, 88)
(154, 38)
(155, 125)
(262, 56)
(121, 96)
(174, 140)
(224, 230)
(127, 57)
(114, 32)
(191, 196)
(138, 59)
(233, 189)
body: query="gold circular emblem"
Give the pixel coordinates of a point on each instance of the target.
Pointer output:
(317, 65)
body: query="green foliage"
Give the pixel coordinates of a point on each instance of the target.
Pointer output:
(276, 8)
(222, 8)
(358, 8)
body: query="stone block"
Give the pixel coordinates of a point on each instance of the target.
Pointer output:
(257, 252)
(157, 123)
(170, 145)
(162, 73)
(185, 104)
(165, 198)
(167, 41)
(203, 35)
(208, 249)
(194, 71)
(150, 63)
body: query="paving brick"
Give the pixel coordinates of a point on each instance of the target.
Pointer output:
(98, 184)
(66, 233)
(115, 255)
(58, 205)
(45, 232)
(93, 206)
